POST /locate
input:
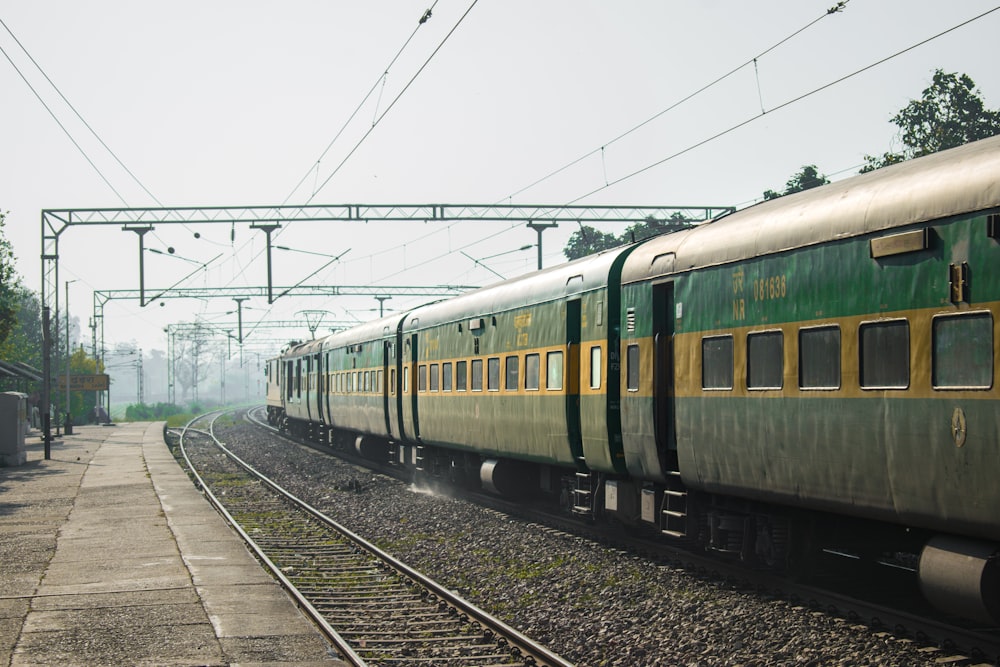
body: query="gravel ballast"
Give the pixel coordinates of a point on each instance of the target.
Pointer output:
(592, 604)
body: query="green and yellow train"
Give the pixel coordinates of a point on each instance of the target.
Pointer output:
(813, 371)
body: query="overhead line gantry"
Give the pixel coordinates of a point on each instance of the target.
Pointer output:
(268, 218)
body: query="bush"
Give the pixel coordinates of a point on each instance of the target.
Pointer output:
(142, 412)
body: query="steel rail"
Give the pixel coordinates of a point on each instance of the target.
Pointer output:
(341, 644)
(955, 643)
(531, 651)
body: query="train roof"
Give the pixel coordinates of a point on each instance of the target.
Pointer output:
(565, 280)
(952, 182)
(378, 329)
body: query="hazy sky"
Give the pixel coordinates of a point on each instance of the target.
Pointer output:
(218, 102)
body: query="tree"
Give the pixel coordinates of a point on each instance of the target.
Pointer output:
(808, 178)
(82, 402)
(24, 340)
(9, 283)
(587, 240)
(950, 113)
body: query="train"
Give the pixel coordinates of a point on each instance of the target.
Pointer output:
(816, 371)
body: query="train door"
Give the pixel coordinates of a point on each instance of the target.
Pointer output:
(396, 419)
(328, 389)
(414, 387)
(318, 374)
(387, 389)
(574, 430)
(663, 374)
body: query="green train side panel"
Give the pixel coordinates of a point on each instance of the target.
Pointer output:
(553, 427)
(888, 455)
(363, 412)
(893, 460)
(527, 425)
(840, 279)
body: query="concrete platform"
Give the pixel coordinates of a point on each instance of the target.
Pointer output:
(110, 556)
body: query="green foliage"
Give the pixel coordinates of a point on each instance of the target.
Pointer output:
(141, 412)
(588, 241)
(9, 285)
(81, 403)
(808, 178)
(950, 113)
(23, 342)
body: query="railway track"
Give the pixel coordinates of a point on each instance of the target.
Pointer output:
(884, 601)
(373, 608)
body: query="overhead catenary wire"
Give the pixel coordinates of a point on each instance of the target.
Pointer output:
(314, 168)
(707, 140)
(839, 7)
(785, 104)
(79, 116)
(394, 101)
(63, 127)
(380, 80)
(423, 19)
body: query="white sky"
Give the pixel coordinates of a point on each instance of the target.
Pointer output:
(231, 103)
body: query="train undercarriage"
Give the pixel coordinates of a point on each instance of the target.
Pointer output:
(957, 575)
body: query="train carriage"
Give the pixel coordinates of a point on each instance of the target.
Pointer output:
(817, 369)
(361, 367)
(273, 399)
(833, 350)
(300, 387)
(524, 370)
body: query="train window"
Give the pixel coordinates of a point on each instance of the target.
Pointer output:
(392, 381)
(511, 375)
(962, 351)
(819, 358)
(477, 375)
(885, 354)
(531, 367)
(461, 375)
(406, 379)
(632, 367)
(554, 370)
(378, 379)
(368, 381)
(493, 374)
(717, 362)
(765, 360)
(595, 367)
(435, 382)
(422, 377)
(298, 378)
(446, 376)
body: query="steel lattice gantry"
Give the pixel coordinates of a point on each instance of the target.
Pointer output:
(238, 294)
(55, 222)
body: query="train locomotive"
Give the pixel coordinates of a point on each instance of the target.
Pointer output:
(815, 371)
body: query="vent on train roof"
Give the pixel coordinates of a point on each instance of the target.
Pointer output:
(630, 320)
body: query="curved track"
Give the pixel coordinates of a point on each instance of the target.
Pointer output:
(372, 607)
(883, 599)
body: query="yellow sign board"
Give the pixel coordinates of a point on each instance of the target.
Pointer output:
(85, 382)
